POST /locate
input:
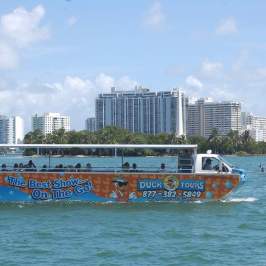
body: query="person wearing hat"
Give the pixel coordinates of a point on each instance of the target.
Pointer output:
(120, 192)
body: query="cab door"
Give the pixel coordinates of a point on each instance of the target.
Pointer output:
(209, 164)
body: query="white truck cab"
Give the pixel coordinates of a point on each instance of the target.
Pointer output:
(211, 163)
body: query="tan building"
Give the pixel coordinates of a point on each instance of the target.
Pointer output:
(204, 115)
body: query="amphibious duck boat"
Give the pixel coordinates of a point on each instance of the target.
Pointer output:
(183, 175)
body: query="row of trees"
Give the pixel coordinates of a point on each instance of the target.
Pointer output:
(233, 143)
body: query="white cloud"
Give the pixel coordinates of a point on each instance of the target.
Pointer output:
(71, 21)
(74, 96)
(216, 91)
(18, 30)
(23, 26)
(8, 56)
(126, 83)
(104, 81)
(194, 82)
(242, 83)
(155, 16)
(220, 92)
(77, 83)
(227, 26)
(209, 68)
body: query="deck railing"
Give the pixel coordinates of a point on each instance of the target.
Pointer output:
(167, 169)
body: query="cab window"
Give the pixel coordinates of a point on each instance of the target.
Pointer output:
(225, 168)
(210, 163)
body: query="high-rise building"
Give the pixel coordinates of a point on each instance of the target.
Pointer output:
(204, 115)
(256, 125)
(49, 122)
(90, 124)
(11, 129)
(142, 111)
(245, 120)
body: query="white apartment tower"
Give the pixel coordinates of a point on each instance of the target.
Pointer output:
(11, 129)
(142, 111)
(256, 125)
(50, 122)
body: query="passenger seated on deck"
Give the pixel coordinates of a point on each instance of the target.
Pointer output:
(78, 167)
(44, 168)
(31, 164)
(162, 169)
(207, 165)
(4, 167)
(70, 168)
(88, 167)
(59, 168)
(15, 167)
(21, 166)
(126, 166)
(134, 167)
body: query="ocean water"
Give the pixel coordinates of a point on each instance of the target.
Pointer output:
(232, 232)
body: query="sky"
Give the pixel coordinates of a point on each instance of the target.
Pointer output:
(57, 56)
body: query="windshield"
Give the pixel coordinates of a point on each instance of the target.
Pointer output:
(226, 162)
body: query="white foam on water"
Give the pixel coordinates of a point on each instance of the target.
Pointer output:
(248, 199)
(198, 201)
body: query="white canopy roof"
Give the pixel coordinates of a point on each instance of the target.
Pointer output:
(102, 146)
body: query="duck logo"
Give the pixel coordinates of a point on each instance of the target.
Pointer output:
(171, 183)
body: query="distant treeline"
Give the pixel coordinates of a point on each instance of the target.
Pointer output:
(233, 143)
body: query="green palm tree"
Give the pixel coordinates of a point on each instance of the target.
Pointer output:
(234, 140)
(215, 141)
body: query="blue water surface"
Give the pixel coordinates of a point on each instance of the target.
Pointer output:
(232, 232)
